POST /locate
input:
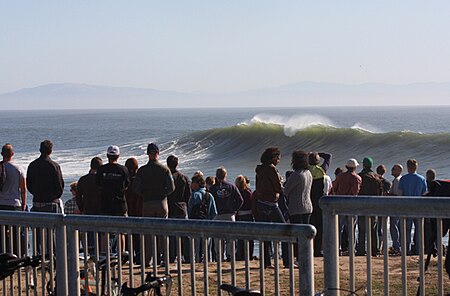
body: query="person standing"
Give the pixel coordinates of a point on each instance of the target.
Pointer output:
(13, 192)
(348, 183)
(45, 182)
(244, 214)
(113, 179)
(201, 205)
(228, 201)
(88, 197)
(298, 191)
(177, 202)
(268, 189)
(71, 207)
(154, 182)
(412, 184)
(394, 222)
(317, 191)
(371, 185)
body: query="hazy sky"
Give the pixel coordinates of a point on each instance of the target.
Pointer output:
(222, 45)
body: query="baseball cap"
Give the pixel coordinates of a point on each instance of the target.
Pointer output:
(113, 150)
(352, 163)
(152, 147)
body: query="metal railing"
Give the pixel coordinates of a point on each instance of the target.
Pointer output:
(64, 236)
(371, 206)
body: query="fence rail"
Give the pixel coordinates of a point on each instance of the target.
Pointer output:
(371, 206)
(61, 235)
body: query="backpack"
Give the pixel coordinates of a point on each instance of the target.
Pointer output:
(2, 175)
(201, 210)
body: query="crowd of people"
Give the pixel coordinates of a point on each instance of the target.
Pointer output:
(161, 190)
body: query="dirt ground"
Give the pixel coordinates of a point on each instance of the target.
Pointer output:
(395, 277)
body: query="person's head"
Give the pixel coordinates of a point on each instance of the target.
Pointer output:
(96, 162)
(299, 160)
(153, 151)
(210, 181)
(313, 158)
(381, 169)
(337, 171)
(271, 156)
(197, 182)
(132, 166)
(73, 188)
(200, 173)
(352, 164)
(241, 182)
(396, 170)
(367, 162)
(7, 151)
(221, 174)
(430, 175)
(172, 162)
(113, 153)
(412, 165)
(46, 147)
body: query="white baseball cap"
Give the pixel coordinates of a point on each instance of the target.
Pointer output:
(113, 150)
(352, 163)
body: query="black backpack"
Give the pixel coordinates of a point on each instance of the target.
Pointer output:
(201, 210)
(2, 175)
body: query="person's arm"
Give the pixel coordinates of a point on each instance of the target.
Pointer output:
(326, 160)
(170, 185)
(276, 180)
(29, 180)
(187, 190)
(23, 191)
(79, 196)
(60, 188)
(212, 207)
(290, 184)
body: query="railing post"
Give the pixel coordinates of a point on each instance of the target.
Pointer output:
(61, 258)
(331, 253)
(72, 260)
(306, 265)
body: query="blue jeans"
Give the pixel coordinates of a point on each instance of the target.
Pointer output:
(266, 213)
(394, 224)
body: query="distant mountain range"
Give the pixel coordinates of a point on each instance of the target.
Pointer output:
(84, 96)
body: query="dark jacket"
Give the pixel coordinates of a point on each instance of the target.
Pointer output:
(227, 196)
(371, 183)
(268, 183)
(154, 181)
(89, 198)
(178, 199)
(44, 179)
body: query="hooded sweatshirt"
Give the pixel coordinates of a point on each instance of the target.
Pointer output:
(268, 183)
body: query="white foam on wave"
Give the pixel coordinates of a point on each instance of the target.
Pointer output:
(291, 124)
(364, 127)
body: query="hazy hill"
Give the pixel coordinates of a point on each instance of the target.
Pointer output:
(83, 96)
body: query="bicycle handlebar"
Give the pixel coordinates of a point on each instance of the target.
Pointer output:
(9, 263)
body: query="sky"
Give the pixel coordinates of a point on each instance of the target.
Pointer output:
(222, 46)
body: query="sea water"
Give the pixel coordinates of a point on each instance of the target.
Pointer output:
(205, 139)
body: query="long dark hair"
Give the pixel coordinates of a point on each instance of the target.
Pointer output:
(299, 160)
(269, 154)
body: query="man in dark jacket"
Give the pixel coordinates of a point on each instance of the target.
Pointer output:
(177, 201)
(45, 182)
(371, 185)
(154, 182)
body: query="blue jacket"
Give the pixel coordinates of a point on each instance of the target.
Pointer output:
(197, 198)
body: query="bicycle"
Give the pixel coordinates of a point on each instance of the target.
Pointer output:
(363, 289)
(238, 291)
(152, 284)
(9, 263)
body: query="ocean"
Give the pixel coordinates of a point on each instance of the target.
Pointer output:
(205, 139)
